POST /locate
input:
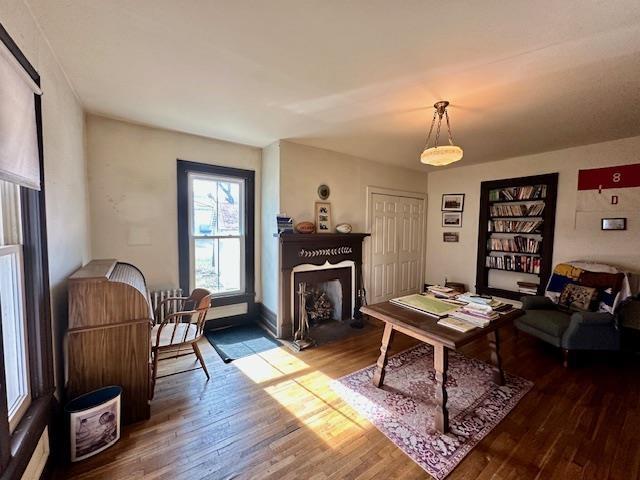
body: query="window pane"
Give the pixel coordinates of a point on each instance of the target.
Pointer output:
(216, 207)
(218, 264)
(13, 329)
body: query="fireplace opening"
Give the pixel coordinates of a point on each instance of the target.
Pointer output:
(328, 302)
(324, 302)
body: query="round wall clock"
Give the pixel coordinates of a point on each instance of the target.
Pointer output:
(323, 192)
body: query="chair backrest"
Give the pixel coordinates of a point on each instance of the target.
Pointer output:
(202, 298)
(197, 304)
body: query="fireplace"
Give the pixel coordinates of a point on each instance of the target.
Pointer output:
(326, 262)
(336, 281)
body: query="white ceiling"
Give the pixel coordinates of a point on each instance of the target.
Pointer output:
(359, 76)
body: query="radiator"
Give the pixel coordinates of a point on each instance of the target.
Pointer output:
(157, 296)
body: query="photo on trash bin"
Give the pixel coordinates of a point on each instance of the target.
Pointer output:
(95, 429)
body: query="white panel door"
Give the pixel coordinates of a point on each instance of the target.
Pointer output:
(410, 245)
(396, 239)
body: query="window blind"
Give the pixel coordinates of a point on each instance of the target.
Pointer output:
(19, 162)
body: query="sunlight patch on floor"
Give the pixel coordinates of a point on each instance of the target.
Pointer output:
(269, 365)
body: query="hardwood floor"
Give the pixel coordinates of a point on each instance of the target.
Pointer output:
(274, 416)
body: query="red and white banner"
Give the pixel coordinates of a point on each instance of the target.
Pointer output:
(609, 189)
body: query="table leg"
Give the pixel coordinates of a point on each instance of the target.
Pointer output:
(441, 364)
(387, 338)
(494, 345)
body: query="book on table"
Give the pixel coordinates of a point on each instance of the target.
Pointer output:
(423, 304)
(456, 324)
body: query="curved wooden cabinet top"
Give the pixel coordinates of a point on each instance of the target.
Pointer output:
(107, 293)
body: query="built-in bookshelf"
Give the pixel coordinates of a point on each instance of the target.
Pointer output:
(515, 234)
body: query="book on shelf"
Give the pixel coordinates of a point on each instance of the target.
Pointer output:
(529, 192)
(516, 244)
(529, 288)
(425, 304)
(514, 263)
(517, 210)
(515, 226)
(456, 324)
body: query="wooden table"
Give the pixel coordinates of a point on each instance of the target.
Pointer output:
(425, 328)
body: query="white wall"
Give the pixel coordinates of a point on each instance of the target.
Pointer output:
(133, 190)
(64, 162)
(577, 236)
(64, 165)
(270, 208)
(304, 168)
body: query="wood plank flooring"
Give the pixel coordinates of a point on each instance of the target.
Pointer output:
(274, 416)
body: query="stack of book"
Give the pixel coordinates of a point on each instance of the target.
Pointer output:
(475, 314)
(442, 292)
(528, 288)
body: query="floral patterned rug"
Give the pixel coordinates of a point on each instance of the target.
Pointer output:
(404, 409)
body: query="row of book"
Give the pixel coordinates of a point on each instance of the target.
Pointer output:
(515, 263)
(530, 192)
(528, 288)
(516, 244)
(517, 210)
(514, 226)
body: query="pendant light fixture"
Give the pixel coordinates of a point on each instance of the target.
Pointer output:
(446, 154)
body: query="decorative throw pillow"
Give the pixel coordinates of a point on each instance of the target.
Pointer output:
(577, 297)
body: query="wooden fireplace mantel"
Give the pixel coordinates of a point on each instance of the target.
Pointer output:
(315, 249)
(311, 237)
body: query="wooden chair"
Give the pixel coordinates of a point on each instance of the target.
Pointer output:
(181, 328)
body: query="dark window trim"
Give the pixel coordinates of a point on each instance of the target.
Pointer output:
(184, 168)
(24, 439)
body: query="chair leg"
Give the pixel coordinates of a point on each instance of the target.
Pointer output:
(566, 357)
(196, 350)
(155, 374)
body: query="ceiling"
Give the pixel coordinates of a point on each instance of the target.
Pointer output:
(359, 76)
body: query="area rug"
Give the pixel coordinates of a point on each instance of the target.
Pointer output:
(404, 409)
(241, 341)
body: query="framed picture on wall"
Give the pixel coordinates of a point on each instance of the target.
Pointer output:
(452, 219)
(323, 217)
(613, 224)
(452, 202)
(450, 237)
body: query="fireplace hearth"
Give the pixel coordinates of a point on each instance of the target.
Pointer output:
(331, 263)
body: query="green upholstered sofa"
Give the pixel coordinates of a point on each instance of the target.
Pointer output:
(577, 330)
(569, 331)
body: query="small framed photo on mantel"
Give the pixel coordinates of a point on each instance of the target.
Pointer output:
(323, 217)
(452, 202)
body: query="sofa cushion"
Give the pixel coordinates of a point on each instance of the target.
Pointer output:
(578, 297)
(550, 322)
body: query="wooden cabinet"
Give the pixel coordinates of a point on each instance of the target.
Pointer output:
(108, 341)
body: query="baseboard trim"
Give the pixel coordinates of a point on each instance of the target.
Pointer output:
(224, 322)
(268, 319)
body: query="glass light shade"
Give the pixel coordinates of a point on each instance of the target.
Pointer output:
(440, 156)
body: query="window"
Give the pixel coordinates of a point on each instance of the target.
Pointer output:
(26, 377)
(216, 231)
(14, 335)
